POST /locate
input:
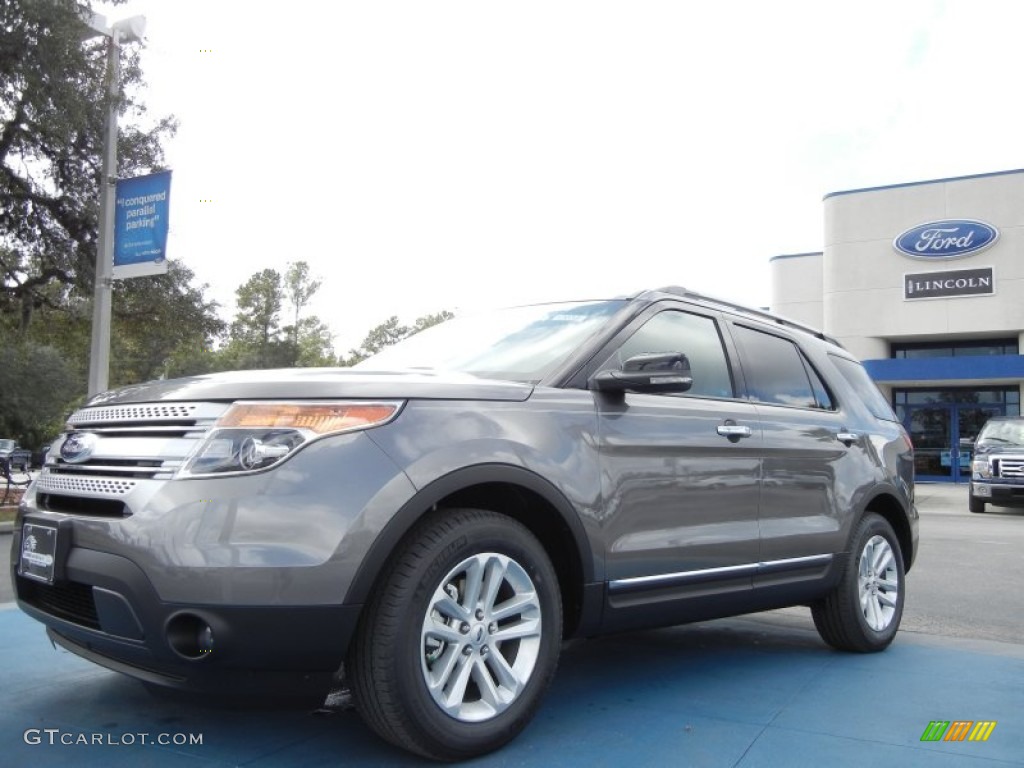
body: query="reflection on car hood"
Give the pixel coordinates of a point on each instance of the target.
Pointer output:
(319, 383)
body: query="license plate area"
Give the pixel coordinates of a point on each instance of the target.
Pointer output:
(39, 549)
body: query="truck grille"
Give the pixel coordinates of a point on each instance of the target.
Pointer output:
(146, 441)
(1007, 466)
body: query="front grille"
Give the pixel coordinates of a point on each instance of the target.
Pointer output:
(66, 484)
(76, 505)
(136, 442)
(1009, 467)
(68, 600)
(146, 412)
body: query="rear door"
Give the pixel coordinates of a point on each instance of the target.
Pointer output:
(807, 463)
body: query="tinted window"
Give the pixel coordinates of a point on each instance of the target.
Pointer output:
(775, 370)
(695, 336)
(821, 395)
(865, 388)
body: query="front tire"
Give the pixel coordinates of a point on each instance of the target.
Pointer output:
(460, 641)
(863, 611)
(975, 505)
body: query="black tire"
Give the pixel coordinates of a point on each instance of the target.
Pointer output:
(394, 652)
(839, 617)
(975, 505)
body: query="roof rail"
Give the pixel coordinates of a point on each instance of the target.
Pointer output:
(676, 290)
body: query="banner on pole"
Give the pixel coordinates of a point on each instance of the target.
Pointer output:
(140, 225)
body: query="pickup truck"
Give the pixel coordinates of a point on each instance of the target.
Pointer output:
(997, 471)
(13, 456)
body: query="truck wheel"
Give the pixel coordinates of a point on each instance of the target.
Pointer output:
(862, 613)
(460, 641)
(975, 505)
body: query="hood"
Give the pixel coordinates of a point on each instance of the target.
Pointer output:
(319, 383)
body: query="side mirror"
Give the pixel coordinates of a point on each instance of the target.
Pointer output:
(650, 372)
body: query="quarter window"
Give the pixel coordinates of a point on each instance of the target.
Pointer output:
(777, 372)
(695, 336)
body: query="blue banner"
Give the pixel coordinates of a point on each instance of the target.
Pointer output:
(140, 225)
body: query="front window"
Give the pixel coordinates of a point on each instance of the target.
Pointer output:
(1002, 433)
(517, 344)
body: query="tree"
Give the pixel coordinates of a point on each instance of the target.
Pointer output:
(163, 326)
(52, 112)
(315, 344)
(257, 339)
(390, 332)
(36, 388)
(257, 322)
(300, 288)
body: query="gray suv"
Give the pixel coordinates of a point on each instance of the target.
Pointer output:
(429, 526)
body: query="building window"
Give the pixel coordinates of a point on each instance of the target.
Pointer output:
(1007, 396)
(917, 350)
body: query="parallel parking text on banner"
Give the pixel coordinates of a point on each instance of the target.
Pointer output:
(140, 225)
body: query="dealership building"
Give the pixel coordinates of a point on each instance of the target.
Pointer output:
(924, 282)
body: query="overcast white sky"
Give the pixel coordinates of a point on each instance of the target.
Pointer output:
(450, 155)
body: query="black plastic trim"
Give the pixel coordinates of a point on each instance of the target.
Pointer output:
(404, 519)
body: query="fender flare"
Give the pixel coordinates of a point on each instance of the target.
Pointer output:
(410, 512)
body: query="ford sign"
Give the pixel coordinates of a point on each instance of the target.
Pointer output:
(947, 239)
(78, 447)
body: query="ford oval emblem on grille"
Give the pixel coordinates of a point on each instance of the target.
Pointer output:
(78, 447)
(947, 239)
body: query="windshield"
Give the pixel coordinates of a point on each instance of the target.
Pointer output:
(6, 445)
(517, 344)
(1002, 433)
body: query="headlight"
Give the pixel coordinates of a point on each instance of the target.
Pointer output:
(980, 468)
(257, 435)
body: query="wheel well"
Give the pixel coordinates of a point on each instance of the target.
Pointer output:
(543, 520)
(889, 508)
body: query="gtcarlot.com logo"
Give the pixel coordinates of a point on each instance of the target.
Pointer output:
(958, 730)
(55, 736)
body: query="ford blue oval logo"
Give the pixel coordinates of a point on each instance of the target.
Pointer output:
(78, 447)
(947, 239)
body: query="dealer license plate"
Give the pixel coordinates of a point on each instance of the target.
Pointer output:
(38, 552)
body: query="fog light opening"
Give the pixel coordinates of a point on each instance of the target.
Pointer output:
(190, 636)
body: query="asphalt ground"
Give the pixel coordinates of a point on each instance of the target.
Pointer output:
(761, 690)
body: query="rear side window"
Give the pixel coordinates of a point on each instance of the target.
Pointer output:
(777, 372)
(865, 388)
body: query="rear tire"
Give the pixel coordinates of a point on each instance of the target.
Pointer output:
(461, 639)
(863, 611)
(975, 505)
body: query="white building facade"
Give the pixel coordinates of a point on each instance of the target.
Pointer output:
(924, 282)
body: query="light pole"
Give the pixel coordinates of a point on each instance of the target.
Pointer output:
(124, 31)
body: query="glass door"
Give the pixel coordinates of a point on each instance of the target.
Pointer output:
(944, 422)
(931, 429)
(943, 438)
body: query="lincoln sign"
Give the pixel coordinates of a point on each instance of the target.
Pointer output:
(940, 285)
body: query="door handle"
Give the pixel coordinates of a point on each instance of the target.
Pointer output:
(734, 431)
(848, 438)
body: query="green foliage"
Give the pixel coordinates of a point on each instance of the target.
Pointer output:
(53, 106)
(390, 332)
(163, 326)
(37, 387)
(257, 339)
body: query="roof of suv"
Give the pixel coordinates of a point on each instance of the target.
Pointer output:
(760, 314)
